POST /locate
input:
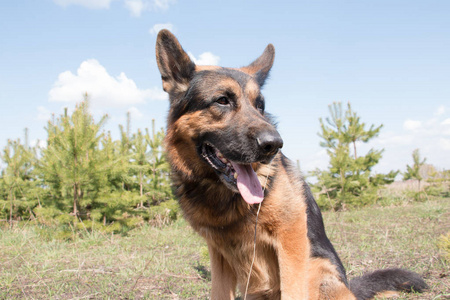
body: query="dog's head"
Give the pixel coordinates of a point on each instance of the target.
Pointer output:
(217, 125)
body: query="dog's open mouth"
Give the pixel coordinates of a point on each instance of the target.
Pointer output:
(237, 176)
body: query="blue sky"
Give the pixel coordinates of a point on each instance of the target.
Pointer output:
(389, 59)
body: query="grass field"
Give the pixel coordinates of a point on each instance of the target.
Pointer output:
(171, 262)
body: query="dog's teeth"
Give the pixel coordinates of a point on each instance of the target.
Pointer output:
(220, 156)
(235, 175)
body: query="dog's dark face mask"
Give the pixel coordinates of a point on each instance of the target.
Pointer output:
(220, 113)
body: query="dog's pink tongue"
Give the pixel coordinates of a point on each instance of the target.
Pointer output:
(248, 183)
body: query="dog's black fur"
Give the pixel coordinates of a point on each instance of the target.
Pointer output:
(220, 110)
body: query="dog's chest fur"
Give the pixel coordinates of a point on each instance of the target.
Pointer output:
(236, 245)
(235, 238)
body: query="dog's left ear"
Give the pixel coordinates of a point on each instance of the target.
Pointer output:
(175, 66)
(260, 68)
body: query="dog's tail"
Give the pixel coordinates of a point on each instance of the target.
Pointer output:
(386, 281)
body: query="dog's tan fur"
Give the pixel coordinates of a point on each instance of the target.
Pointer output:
(288, 264)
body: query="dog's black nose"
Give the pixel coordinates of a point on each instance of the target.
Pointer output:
(269, 142)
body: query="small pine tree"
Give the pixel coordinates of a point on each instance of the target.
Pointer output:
(140, 161)
(71, 164)
(84, 178)
(160, 185)
(349, 180)
(125, 155)
(413, 172)
(16, 177)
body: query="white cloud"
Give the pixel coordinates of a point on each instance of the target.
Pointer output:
(206, 58)
(156, 93)
(163, 4)
(104, 90)
(43, 114)
(40, 143)
(157, 27)
(446, 122)
(319, 160)
(390, 138)
(430, 135)
(135, 113)
(91, 4)
(440, 111)
(137, 7)
(411, 124)
(444, 143)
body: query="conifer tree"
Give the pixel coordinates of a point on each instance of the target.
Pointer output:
(125, 155)
(160, 181)
(115, 164)
(149, 164)
(140, 161)
(71, 162)
(413, 172)
(19, 160)
(85, 173)
(355, 131)
(349, 180)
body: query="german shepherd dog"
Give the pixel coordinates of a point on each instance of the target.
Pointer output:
(223, 147)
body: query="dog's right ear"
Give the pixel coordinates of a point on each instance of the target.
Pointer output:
(260, 68)
(174, 63)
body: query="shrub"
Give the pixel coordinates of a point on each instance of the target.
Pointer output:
(165, 213)
(438, 190)
(47, 215)
(444, 245)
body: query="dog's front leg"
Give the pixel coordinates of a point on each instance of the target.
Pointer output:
(293, 258)
(222, 276)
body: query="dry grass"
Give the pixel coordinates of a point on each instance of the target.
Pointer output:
(150, 263)
(407, 185)
(403, 236)
(169, 262)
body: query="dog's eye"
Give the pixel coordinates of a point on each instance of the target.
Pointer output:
(223, 101)
(260, 106)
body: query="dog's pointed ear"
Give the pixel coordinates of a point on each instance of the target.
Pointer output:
(260, 68)
(174, 64)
